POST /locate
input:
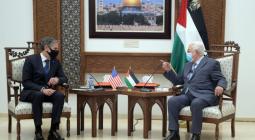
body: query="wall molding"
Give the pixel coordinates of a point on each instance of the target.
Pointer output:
(95, 62)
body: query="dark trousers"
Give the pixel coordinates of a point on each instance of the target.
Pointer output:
(176, 103)
(37, 99)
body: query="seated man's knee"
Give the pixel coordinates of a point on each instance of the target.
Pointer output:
(38, 96)
(59, 96)
(172, 101)
(196, 104)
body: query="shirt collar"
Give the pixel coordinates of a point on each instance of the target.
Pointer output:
(43, 57)
(199, 60)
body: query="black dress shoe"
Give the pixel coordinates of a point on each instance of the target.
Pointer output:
(54, 135)
(38, 136)
(195, 137)
(173, 136)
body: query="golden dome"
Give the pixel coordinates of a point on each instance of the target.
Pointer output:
(132, 3)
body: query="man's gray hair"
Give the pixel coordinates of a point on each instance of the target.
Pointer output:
(49, 41)
(198, 46)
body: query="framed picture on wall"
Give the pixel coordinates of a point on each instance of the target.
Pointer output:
(134, 19)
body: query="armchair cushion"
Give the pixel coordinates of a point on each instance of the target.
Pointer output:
(17, 67)
(212, 111)
(226, 64)
(26, 108)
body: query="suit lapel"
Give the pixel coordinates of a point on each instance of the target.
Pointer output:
(39, 60)
(200, 65)
(52, 67)
(187, 69)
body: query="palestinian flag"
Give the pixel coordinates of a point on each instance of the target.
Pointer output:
(130, 79)
(190, 27)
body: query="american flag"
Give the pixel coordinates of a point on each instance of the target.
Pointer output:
(115, 80)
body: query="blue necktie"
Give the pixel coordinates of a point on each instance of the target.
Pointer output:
(192, 71)
(190, 75)
(46, 67)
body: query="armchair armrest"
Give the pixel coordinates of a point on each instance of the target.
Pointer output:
(228, 92)
(220, 102)
(66, 90)
(15, 89)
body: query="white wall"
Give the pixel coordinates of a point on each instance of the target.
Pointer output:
(240, 21)
(16, 27)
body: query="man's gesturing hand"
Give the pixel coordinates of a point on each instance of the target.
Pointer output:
(165, 65)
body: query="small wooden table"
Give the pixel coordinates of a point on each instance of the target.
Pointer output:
(146, 100)
(96, 101)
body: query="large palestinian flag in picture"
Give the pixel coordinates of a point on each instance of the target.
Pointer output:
(190, 27)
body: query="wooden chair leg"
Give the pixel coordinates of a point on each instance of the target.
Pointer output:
(9, 123)
(217, 132)
(188, 126)
(18, 129)
(233, 127)
(68, 126)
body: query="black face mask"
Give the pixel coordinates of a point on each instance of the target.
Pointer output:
(53, 53)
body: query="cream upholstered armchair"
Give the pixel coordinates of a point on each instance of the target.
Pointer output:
(15, 58)
(228, 56)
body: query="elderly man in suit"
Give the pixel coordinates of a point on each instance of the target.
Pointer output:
(41, 73)
(203, 82)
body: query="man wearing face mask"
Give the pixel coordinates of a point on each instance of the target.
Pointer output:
(41, 73)
(203, 82)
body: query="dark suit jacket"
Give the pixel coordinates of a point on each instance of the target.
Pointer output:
(202, 84)
(33, 77)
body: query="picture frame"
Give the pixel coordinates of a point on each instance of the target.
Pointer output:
(130, 19)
